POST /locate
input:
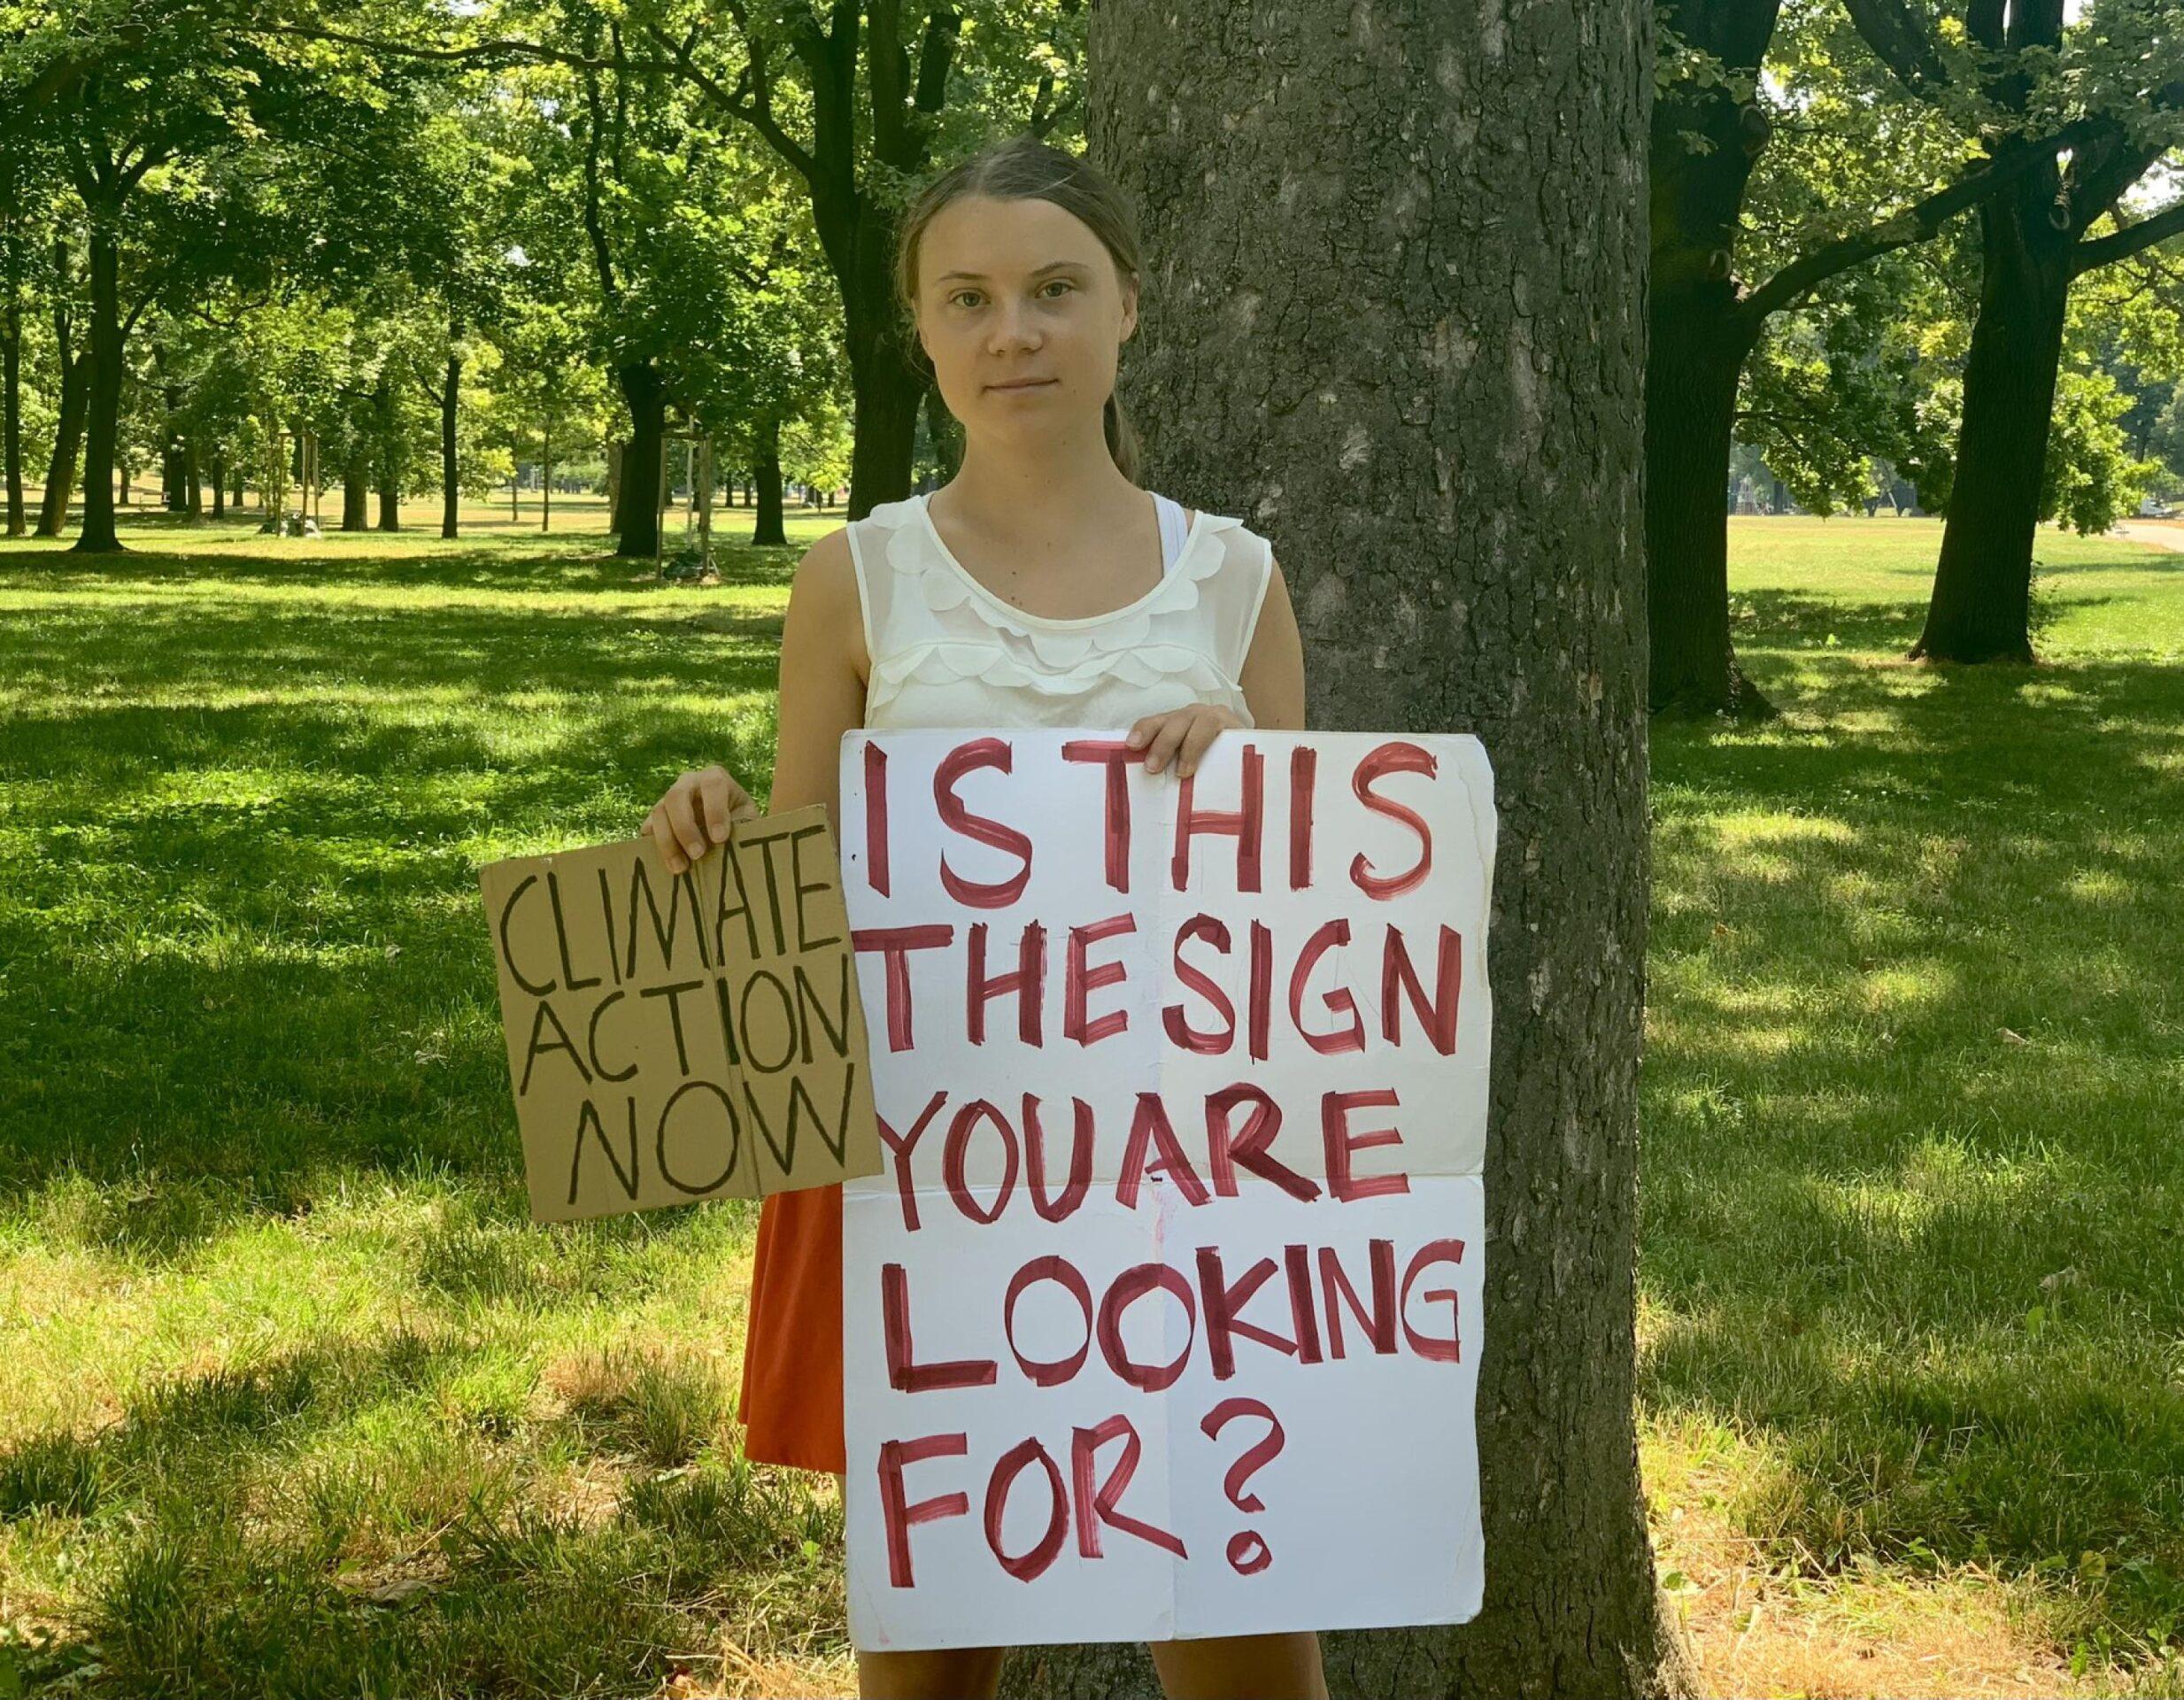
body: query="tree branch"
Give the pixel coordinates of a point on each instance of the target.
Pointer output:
(751, 100)
(2105, 250)
(595, 225)
(1914, 223)
(481, 53)
(1900, 42)
(935, 53)
(2107, 177)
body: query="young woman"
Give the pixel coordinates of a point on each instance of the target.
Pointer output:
(1040, 586)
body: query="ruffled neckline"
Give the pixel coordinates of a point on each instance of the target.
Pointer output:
(946, 582)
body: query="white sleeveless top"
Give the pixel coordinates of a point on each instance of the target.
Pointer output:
(946, 650)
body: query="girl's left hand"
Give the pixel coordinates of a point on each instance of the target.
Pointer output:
(1181, 734)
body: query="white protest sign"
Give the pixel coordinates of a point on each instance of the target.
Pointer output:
(1162, 1317)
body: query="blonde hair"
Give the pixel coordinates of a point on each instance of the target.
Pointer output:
(1023, 167)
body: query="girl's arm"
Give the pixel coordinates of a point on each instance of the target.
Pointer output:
(1273, 676)
(823, 670)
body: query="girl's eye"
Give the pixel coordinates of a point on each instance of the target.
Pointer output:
(1064, 281)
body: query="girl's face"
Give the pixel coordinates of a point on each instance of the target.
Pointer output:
(1015, 290)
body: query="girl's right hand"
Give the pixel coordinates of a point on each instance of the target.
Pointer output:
(695, 815)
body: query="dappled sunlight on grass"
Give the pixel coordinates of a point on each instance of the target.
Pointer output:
(280, 1350)
(1919, 1272)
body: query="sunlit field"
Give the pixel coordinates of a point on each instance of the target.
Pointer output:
(294, 1400)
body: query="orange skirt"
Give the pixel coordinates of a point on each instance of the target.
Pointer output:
(791, 1402)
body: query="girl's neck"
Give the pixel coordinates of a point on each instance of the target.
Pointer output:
(1035, 504)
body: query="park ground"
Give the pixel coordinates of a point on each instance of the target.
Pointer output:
(294, 1399)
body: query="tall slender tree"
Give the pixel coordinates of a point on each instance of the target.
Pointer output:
(73, 361)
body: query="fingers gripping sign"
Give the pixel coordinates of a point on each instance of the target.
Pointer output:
(696, 814)
(1180, 735)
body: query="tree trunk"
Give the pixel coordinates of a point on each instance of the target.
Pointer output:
(60, 469)
(220, 486)
(17, 521)
(636, 519)
(545, 478)
(1981, 606)
(943, 432)
(1441, 433)
(70, 357)
(12, 409)
(192, 481)
(1695, 352)
(173, 497)
(356, 492)
(1698, 339)
(768, 531)
(451, 482)
(387, 413)
(614, 484)
(103, 399)
(888, 393)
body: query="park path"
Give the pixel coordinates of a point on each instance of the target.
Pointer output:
(2169, 534)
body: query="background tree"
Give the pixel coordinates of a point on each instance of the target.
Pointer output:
(73, 379)
(1997, 65)
(1860, 175)
(855, 106)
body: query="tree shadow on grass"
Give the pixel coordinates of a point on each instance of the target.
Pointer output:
(345, 1517)
(239, 901)
(1912, 1191)
(1771, 618)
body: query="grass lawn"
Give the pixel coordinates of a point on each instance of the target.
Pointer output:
(294, 1400)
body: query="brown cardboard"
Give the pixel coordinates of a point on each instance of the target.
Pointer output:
(685, 1036)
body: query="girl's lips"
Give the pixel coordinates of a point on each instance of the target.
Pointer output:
(1034, 383)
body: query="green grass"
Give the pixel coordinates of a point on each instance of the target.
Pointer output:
(1913, 1189)
(294, 1400)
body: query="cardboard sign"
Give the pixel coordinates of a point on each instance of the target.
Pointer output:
(1163, 1317)
(679, 1037)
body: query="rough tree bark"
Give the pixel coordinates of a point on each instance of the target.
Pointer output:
(1426, 390)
